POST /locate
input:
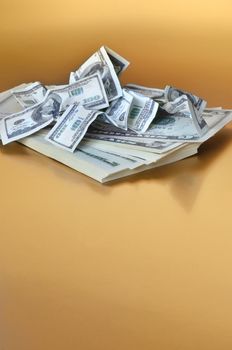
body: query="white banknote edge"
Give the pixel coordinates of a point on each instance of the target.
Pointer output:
(189, 151)
(4, 95)
(40, 145)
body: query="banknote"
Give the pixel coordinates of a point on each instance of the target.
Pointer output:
(30, 120)
(148, 144)
(119, 109)
(100, 62)
(9, 105)
(57, 86)
(174, 128)
(172, 93)
(120, 63)
(71, 127)
(166, 127)
(30, 95)
(139, 154)
(4, 115)
(110, 133)
(156, 94)
(5, 95)
(88, 91)
(211, 109)
(142, 112)
(215, 117)
(125, 160)
(184, 108)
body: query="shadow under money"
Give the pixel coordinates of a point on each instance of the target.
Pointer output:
(13, 149)
(185, 177)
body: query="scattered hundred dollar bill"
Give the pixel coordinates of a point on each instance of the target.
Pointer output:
(71, 127)
(103, 129)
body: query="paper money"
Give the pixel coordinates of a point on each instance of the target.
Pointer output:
(167, 127)
(8, 103)
(142, 113)
(100, 62)
(172, 93)
(30, 95)
(140, 155)
(71, 127)
(30, 120)
(4, 95)
(121, 158)
(106, 132)
(120, 63)
(148, 144)
(184, 108)
(88, 91)
(119, 109)
(156, 94)
(3, 115)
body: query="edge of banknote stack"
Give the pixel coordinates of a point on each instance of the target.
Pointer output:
(102, 129)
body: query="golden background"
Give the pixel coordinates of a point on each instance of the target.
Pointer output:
(143, 263)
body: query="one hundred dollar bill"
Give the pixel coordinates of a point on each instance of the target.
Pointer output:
(107, 132)
(4, 95)
(3, 115)
(8, 103)
(29, 120)
(177, 128)
(71, 127)
(100, 62)
(184, 108)
(171, 94)
(165, 128)
(142, 112)
(148, 145)
(124, 159)
(119, 109)
(30, 95)
(120, 63)
(156, 94)
(88, 91)
(52, 87)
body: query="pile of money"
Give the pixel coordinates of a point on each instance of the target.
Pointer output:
(103, 129)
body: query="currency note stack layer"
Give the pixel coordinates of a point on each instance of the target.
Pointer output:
(105, 130)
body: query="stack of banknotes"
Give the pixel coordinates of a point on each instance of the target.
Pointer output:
(105, 130)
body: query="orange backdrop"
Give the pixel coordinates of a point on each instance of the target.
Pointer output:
(186, 44)
(141, 264)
